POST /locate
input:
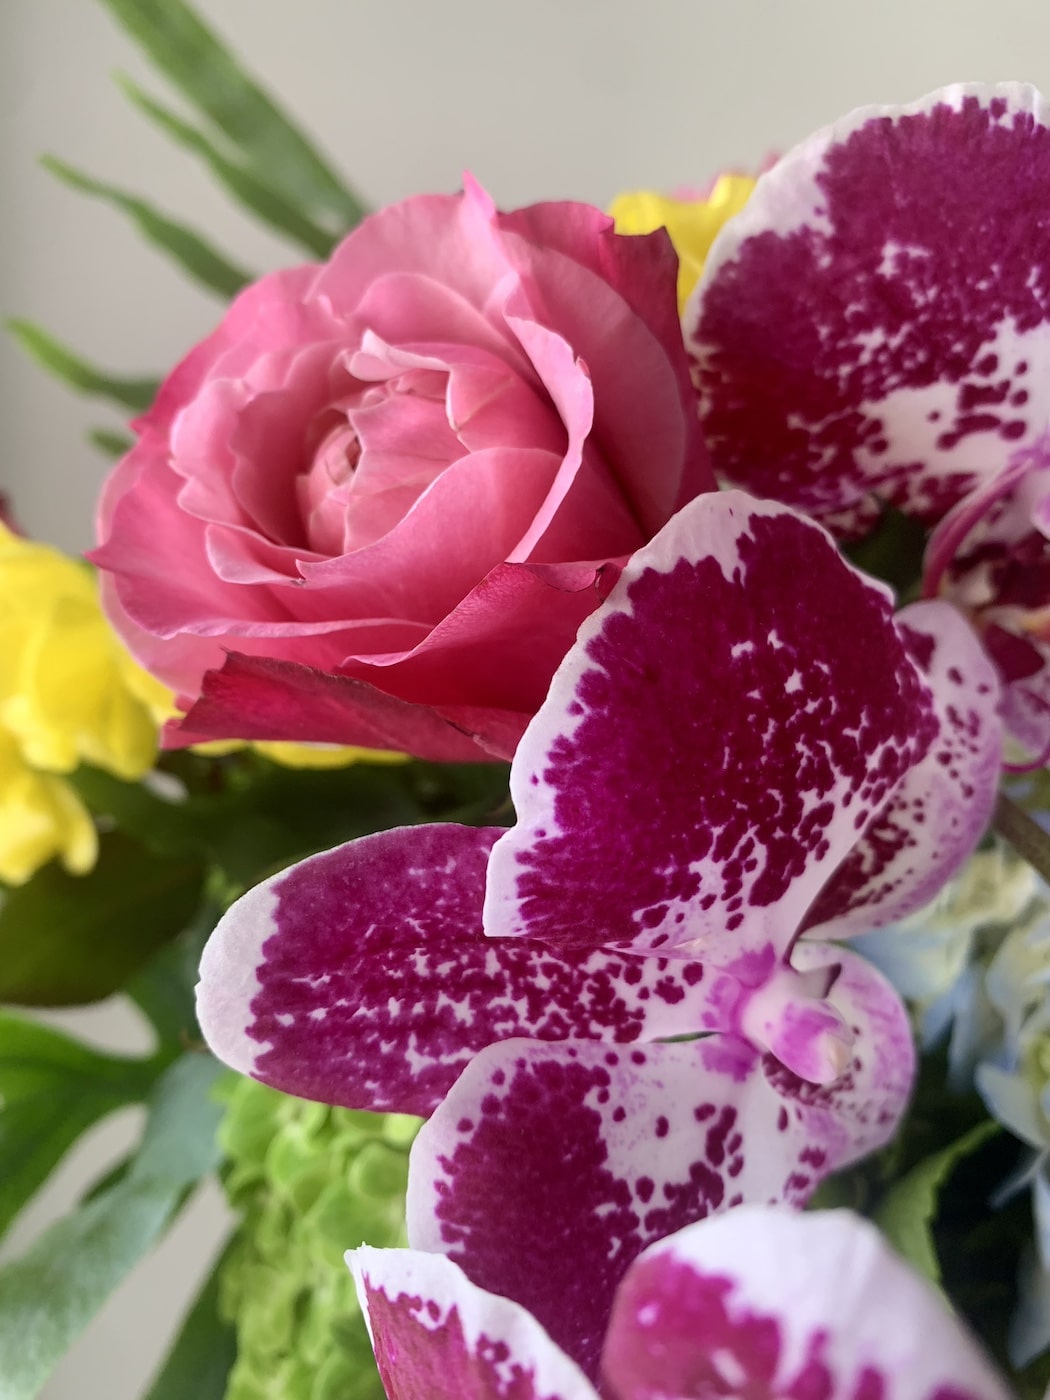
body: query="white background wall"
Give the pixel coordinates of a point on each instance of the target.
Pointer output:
(541, 99)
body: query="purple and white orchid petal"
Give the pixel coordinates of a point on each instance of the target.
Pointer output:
(548, 1168)
(711, 747)
(923, 357)
(362, 977)
(940, 810)
(767, 1303)
(437, 1336)
(991, 557)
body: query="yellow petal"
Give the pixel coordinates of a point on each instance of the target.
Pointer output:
(40, 817)
(324, 755)
(66, 691)
(692, 225)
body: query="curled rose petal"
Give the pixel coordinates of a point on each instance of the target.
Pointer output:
(382, 470)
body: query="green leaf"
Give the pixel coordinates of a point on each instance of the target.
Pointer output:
(203, 1353)
(893, 552)
(907, 1211)
(110, 444)
(68, 939)
(59, 360)
(256, 194)
(50, 1294)
(197, 257)
(52, 1088)
(205, 71)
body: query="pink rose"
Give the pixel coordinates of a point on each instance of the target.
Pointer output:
(376, 504)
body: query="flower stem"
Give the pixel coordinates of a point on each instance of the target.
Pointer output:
(1023, 833)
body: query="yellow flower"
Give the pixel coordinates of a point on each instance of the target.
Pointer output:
(692, 224)
(69, 693)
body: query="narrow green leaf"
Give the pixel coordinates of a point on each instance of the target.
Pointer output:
(52, 1088)
(197, 257)
(109, 443)
(255, 193)
(50, 1294)
(205, 71)
(203, 1353)
(70, 939)
(907, 1211)
(59, 360)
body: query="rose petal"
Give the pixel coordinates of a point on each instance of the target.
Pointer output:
(260, 697)
(711, 746)
(943, 805)
(480, 500)
(766, 1303)
(362, 976)
(593, 313)
(438, 1337)
(923, 357)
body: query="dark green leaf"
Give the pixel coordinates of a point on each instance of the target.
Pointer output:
(57, 359)
(194, 254)
(200, 1360)
(69, 939)
(893, 552)
(52, 1292)
(907, 1212)
(52, 1088)
(109, 443)
(164, 990)
(205, 71)
(255, 193)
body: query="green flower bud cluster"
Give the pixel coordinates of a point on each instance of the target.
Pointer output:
(309, 1182)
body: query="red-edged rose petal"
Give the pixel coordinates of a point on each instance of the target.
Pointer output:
(362, 977)
(769, 1304)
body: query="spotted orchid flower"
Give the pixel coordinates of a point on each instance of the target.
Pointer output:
(874, 328)
(609, 1012)
(760, 1302)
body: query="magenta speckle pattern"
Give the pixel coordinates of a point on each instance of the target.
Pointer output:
(732, 725)
(377, 985)
(689, 1334)
(876, 322)
(437, 1337)
(425, 1355)
(612, 1149)
(943, 805)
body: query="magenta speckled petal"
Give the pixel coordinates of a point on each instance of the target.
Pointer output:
(548, 1168)
(944, 804)
(437, 1336)
(923, 357)
(774, 1305)
(711, 746)
(362, 977)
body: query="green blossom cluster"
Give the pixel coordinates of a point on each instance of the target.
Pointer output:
(309, 1182)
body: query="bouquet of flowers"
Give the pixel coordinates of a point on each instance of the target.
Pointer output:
(705, 1049)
